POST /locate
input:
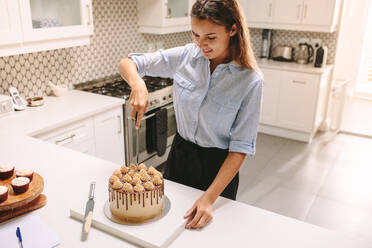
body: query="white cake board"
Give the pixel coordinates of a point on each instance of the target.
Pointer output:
(157, 234)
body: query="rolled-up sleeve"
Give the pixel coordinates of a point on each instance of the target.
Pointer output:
(162, 63)
(244, 130)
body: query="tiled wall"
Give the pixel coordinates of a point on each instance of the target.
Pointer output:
(115, 35)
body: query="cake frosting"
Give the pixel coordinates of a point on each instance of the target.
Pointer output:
(137, 193)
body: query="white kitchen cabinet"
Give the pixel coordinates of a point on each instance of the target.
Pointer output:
(318, 12)
(270, 97)
(78, 136)
(164, 16)
(10, 29)
(258, 11)
(294, 103)
(39, 25)
(304, 15)
(100, 135)
(109, 138)
(297, 101)
(288, 11)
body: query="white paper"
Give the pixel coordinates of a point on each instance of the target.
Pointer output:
(35, 233)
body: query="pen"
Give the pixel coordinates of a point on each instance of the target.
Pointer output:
(19, 235)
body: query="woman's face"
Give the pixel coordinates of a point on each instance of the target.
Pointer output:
(212, 39)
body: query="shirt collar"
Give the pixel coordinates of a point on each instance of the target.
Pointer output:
(198, 53)
(232, 66)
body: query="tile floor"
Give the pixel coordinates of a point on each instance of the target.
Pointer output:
(327, 183)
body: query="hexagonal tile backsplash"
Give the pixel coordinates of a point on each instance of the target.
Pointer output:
(115, 35)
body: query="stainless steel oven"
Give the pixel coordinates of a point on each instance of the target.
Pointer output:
(160, 96)
(151, 159)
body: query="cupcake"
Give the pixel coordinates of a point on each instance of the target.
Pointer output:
(6, 171)
(24, 173)
(20, 184)
(3, 193)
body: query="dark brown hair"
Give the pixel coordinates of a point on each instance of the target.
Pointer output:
(227, 13)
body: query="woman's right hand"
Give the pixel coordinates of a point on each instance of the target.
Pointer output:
(138, 99)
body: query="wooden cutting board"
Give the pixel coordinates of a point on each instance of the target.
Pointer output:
(17, 201)
(37, 203)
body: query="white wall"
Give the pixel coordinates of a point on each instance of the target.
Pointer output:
(350, 40)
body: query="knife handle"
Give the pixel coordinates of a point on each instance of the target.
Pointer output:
(88, 222)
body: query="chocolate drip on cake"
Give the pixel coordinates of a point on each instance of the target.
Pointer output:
(117, 200)
(126, 201)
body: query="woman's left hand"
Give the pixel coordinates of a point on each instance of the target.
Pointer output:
(200, 213)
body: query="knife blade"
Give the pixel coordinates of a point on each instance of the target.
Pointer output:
(88, 212)
(137, 140)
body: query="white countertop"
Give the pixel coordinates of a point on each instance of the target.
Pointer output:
(67, 175)
(56, 112)
(292, 66)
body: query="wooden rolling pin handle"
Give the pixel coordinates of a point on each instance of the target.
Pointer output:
(88, 222)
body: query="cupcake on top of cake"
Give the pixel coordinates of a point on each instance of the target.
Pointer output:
(136, 193)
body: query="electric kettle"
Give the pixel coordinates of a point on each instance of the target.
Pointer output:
(304, 53)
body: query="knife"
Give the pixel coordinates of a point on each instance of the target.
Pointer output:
(137, 140)
(88, 212)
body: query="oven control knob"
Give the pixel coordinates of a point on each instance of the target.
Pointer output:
(156, 101)
(151, 103)
(170, 96)
(164, 98)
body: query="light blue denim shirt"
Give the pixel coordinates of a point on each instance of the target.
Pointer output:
(221, 109)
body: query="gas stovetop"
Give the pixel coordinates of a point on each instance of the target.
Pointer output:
(117, 87)
(160, 89)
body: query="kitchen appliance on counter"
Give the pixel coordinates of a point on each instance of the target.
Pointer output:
(304, 53)
(283, 53)
(266, 44)
(320, 59)
(160, 97)
(6, 105)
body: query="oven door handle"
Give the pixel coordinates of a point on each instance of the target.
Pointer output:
(150, 115)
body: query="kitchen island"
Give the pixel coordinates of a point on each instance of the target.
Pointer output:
(67, 175)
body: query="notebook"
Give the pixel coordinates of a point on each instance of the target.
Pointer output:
(35, 233)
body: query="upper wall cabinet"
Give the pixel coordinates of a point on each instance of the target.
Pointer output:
(304, 15)
(164, 16)
(44, 25)
(10, 27)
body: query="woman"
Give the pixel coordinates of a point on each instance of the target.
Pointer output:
(217, 100)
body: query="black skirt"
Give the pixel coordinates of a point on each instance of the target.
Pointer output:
(197, 166)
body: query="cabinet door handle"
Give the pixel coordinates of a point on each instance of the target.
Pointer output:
(298, 82)
(298, 11)
(119, 118)
(270, 9)
(88, 9)
(71, 138)
(305, 11)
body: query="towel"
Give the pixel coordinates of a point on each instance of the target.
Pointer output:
(161, 118)
(157, 132)
(150, 134)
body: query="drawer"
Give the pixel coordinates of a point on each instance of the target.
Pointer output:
(70, 135)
